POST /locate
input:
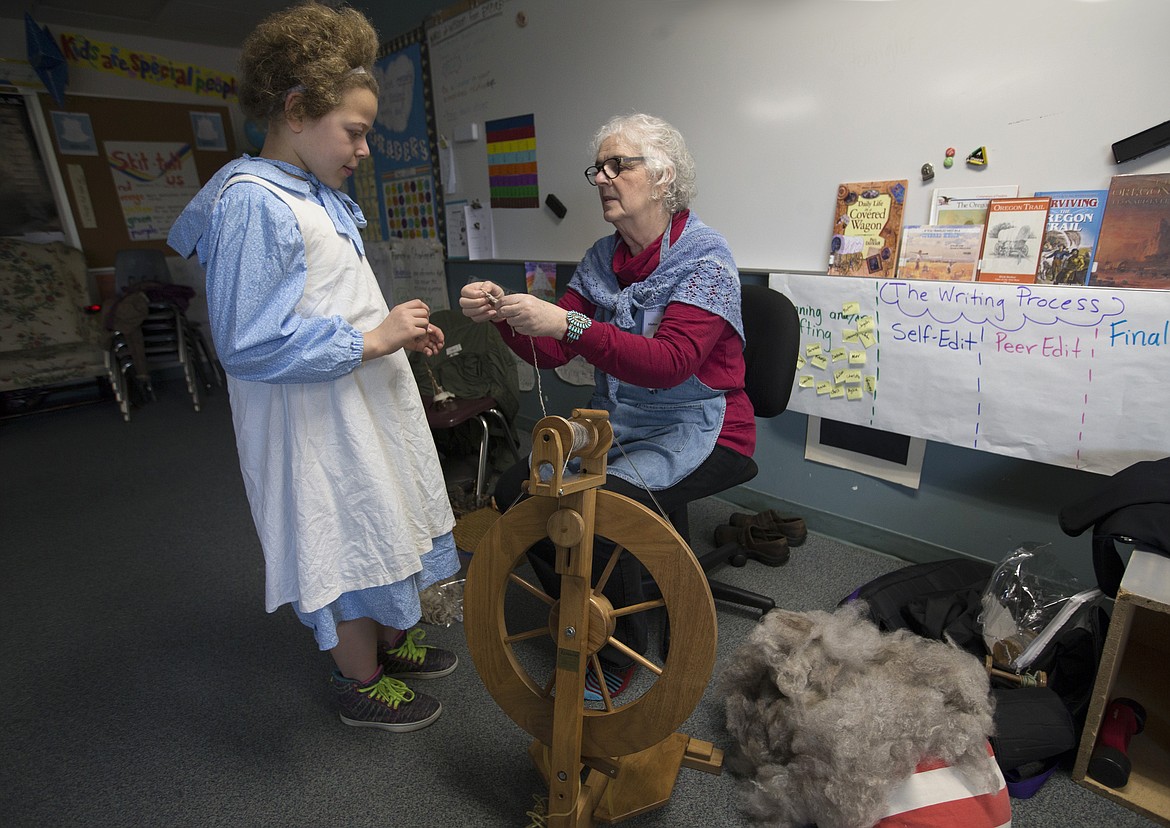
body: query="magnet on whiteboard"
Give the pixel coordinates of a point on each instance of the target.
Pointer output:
(927, 171)
(978, 157)
(556, 206)
(467, 133)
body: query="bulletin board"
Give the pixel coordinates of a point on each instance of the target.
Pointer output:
(1062, 375)
(129, 166)
(396, 187)
(780, 102)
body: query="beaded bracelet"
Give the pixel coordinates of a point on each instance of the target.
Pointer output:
(578, 322)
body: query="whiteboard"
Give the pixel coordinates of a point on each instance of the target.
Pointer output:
(782, 100)
(1063, 375)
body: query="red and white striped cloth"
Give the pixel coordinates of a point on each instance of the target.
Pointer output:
(940, 796)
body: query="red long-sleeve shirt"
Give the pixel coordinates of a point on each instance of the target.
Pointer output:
(689, 340)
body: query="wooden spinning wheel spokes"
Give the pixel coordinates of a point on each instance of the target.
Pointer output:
(680, 681)
(602, 623)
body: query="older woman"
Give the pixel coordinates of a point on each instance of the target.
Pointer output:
(655, 308)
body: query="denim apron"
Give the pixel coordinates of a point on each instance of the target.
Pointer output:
(661, 435)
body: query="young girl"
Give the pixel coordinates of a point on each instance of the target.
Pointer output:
(338, 462)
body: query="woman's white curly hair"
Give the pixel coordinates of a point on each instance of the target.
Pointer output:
(668, 161)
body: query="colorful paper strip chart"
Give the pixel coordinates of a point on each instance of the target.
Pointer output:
(511, 146)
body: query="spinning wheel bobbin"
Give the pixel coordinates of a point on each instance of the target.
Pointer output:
(630, 754)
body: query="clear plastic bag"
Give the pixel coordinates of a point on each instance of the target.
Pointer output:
(1031, 597)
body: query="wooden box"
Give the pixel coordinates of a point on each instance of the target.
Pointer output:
(1136, 665)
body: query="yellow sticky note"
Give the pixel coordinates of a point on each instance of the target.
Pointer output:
(871, 384)
(851, 308)
(837, 393)
(838, 354)
(868, 340)
(849, 335)
(799, 362)
(806, 381)
(820, 361)
(839, 376)
(812, 349)
(824, 387)
(857, 357)
(853, 393)
(865, 325)
(852, 376)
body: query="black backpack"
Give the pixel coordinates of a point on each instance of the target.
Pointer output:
(1034, 725)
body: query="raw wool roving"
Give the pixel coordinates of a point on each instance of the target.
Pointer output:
(829, 714)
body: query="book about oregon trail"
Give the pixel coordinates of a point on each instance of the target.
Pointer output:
(867, 224)
(966, 205)
(1070, 240)
(1134, 249)
(1012, 238)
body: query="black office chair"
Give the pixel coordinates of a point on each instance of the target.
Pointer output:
(771, 328)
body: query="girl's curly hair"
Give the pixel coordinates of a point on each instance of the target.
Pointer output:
(308, 48)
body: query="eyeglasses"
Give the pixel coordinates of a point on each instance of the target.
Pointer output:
(611, 168)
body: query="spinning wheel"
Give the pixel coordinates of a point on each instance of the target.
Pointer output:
(632, 752)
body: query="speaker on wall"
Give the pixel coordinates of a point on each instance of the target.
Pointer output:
(1142, 142)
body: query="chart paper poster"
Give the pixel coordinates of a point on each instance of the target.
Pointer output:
(419, 273)
(154, 180)
(1057, 374)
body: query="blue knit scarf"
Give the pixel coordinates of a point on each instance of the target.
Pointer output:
(698, 270)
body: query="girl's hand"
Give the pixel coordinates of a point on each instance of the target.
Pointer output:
(430, 343)
(407, 326)
(480, 300)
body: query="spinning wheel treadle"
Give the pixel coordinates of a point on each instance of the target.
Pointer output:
(570, 510)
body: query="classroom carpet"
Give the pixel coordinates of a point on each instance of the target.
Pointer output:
(142, 682)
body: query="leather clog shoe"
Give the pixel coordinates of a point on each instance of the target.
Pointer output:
(793, 528)
(767, 547)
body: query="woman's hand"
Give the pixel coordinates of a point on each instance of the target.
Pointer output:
(532, 315)
(479, 300)
(408, 326)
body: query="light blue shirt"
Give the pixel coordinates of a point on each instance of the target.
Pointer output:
(250, 245)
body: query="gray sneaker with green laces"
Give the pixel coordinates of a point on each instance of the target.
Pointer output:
(386, 703)
(410, 659)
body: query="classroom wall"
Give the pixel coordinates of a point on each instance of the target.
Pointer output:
(780, 103)
(969, 502)
(91, 83)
